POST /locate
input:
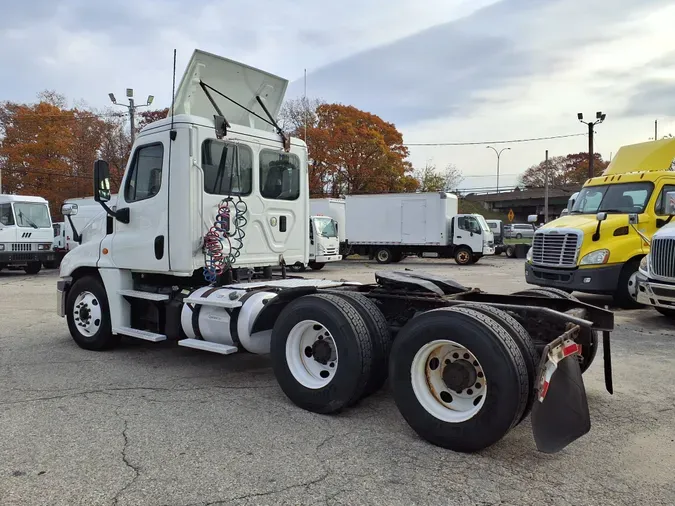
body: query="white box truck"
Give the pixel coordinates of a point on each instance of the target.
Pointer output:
(333, 208)
(324, 245)
(389, 226)
(26, 233)
(216, 195)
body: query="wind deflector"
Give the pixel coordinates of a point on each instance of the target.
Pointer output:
(239, 82)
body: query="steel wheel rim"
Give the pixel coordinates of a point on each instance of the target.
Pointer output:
(463, 256)
(87, 314)
(382, 255)
(632, 286)
(306, 351)
(432, 391)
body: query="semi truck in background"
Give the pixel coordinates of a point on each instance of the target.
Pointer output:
(177, 256)
(656, 274)
(598, 246)
(389, 226)
(26, 233)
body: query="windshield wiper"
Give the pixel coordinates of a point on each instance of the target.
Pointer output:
(23, 217)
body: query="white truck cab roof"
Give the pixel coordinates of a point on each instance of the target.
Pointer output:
(4, 198)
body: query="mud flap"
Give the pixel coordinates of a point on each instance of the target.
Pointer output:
(563, 416)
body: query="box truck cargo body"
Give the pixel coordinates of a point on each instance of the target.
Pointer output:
(388, 227)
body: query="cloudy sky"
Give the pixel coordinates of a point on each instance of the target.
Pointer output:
(441, 70)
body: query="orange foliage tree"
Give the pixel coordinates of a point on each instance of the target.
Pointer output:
(569, 170)
(350, 151)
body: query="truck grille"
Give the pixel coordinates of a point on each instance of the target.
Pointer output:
(22, 246)
(555, 249)
(331, 251)
(663, 257)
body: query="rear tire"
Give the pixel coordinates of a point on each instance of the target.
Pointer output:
(383, 256)
(511, 251)
(519, 236)
(88, 315)
(33, 267)
(380, 337)
(463, 255)
(302, 365)
(316, 266)
(524, 342)
(297, 267)
(625, 295)
(454, 420)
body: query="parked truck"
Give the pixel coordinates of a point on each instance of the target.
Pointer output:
(656, 274)
(389, 226)
(594, 248)
(335, 209)
(324, 244)
(26, 233)
(180, 258)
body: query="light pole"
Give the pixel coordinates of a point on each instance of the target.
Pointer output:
(499, 154)
(132, 109)
(599, 118)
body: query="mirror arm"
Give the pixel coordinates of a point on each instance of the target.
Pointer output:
(76, 237)
(596, 236)
(121, 215)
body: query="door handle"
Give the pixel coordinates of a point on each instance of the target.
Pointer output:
(282, 223)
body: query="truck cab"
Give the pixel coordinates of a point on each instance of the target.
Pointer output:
(26, 233)
(597, 247)
(656, 275)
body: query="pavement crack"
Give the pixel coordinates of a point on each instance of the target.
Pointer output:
(305, 484)
(126, 461)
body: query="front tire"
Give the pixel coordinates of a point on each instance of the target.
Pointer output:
(321, 353)
(297, 267)
(88, 315)
(33, 267)
(316, 266)
(463, 256)
(384, 256)
(463, 392)
(626, 292)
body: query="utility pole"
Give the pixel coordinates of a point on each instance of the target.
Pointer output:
(656, 130)
(546, 189)
(499, 154)
(599, 118)
(132, 109)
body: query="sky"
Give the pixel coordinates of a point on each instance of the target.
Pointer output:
(442, 71)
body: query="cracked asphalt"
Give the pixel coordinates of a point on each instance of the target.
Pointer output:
(157, 424)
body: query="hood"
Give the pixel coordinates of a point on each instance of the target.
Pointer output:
(239, 82)
(666, 232)
(587, 223)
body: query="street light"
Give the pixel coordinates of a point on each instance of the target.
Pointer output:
(599, 118)
(131, 108)
(499, 154)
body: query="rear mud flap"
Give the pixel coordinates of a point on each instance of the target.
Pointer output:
(563, 415)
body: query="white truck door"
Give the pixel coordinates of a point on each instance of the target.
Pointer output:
(413, 221)
(467, 232)
(142, 243)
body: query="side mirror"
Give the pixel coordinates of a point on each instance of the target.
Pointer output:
(601, 216)
(669, 204)
(101, 181)
(532, 218)
(69, 209)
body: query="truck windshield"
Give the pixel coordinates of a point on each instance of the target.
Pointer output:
(613, 198)
(29, 214)
(483, 223)
(325, 227)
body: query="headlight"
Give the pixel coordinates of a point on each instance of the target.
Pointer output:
(595, 257)
(528, 256)
(644, 264)
(2, 247)
(43, 247)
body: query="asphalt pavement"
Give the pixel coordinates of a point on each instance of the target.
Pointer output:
(158, 424)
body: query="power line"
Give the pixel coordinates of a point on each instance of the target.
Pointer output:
(479, 143)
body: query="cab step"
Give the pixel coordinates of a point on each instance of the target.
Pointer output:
(140, 334)
(138, 294)
(199, 344)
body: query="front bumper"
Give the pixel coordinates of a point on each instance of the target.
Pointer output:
(324, 259)
(487, 250)
(655, 293)
(604, 279)
(23, 257)
(62, 287)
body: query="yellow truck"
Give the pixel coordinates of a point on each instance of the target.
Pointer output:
(598, 245)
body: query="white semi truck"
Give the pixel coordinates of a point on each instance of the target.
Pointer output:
(656, 274)
(216, 196)
(26, 233)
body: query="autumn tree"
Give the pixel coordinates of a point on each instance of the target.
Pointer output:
(297, 113)
(350, 151)
(562, 171)
(150, 116)
(431, 180)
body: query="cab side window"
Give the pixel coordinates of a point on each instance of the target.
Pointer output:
(279, 175)
(145, 176)
(6, 215)
(660, 205)
(468, 223)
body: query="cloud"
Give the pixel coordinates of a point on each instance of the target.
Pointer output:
(652, 98)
